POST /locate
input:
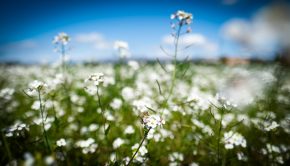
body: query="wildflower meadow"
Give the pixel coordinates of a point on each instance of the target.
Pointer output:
(131, 112)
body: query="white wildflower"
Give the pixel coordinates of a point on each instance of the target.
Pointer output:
(271, 126)
(88, 146)
(61, 142)
(241, 156)
(61, 38)
(129, 130)
(152, 121)
(97, 79)
(142, 151)
(116, 104)
(134, 65)
(225, 103)
(49, 160)
(36, 87)
(93, 82)
(118, 142)
(182, 16)
(176, 156)
(123, 49)
(6, 93)
(234, 139)
(29, 159)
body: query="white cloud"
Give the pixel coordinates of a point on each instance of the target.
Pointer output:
(95, 39)
(27, 44)
(265, 34)
(186, 40)
(24, 44)
(198, 45)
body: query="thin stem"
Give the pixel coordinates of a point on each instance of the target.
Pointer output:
(142, 141)
(6, 145)
(42, 119)
(219, 137)
(63, 59)
(175, 61)
(101, 106)
(175, 64)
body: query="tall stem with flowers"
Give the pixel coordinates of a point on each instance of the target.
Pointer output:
(61, 41)
(37, 88)
(180, 21)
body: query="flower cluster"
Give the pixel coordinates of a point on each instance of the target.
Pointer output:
(61, 38)
(182, 18)
(88, 146)
(118, 142)
(61, 142)
(123, 49)
(93, 82)
(6, 93)
(270, 126)
(152, 121)
(224, 102)
(234, 139)
(175, 158)
(97, 79)
(16, 130)
(36, 87)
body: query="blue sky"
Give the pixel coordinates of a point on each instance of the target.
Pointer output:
(28, 27)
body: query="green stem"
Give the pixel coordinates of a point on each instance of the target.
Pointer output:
(219, 138)
(101, 106)
(175, 61)
(42, 119)
(63, 59)
(173, 78)
(142, 141)
(6, 147)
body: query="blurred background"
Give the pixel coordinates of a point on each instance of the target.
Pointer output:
(236, 31)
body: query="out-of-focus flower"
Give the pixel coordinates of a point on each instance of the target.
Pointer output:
(49, 160)
(61, 38)
(241, 156)
(61, 142)
(118, 142)
(128, 93)
(123, 49)
(142, 104)
(142, 151)
(271, 126)
(234, 139)
(6, 93)
(121, 44)
(176, 156)
(29, 159)
(224, 102)
(134, 65)
(116, 104)
(16, 130)
(88, 146)
(129, 130)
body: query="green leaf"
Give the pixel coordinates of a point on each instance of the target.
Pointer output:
(108, 129)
